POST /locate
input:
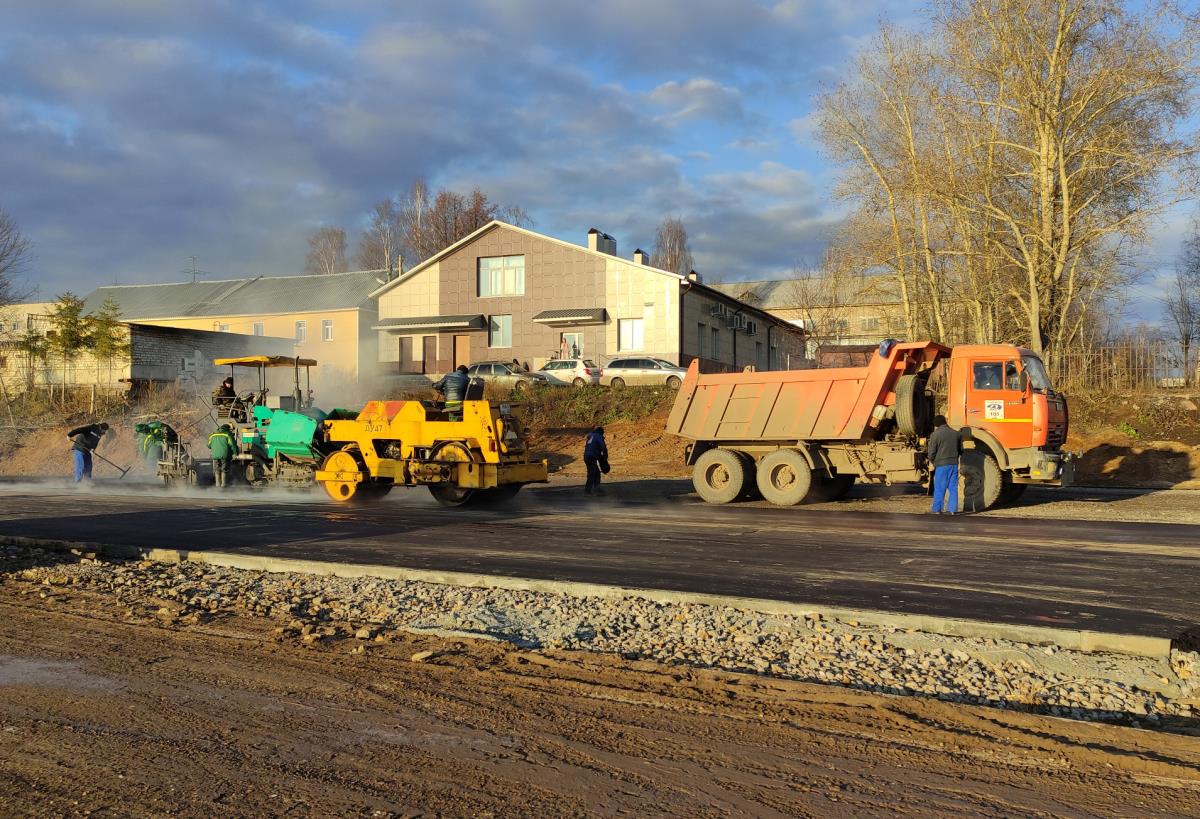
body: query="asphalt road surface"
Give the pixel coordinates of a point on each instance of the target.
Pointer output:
(1135, 578)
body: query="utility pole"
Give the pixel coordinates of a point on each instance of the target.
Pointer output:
(195, 273)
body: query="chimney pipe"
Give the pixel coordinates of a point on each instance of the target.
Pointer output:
(641, 257)
(694, 276)
(594, 240)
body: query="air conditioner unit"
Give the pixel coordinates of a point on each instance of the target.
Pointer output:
(736, 320)
(717, 310)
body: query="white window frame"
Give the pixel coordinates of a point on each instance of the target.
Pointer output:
(326, 329)
(260, 329)
(715, 337)
(301, 331)
(505, 276)
(701, 332)
(498, 321)
(635, 339)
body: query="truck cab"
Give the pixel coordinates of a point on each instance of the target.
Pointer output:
(1004, 396)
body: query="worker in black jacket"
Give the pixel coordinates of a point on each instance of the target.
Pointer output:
(943, 449)
(453, 387)
(83, 441)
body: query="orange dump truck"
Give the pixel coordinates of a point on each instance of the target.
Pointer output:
(810, 434)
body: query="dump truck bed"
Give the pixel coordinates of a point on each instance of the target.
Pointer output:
(794, 405)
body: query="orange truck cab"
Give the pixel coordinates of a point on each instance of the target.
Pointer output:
(1004, 395)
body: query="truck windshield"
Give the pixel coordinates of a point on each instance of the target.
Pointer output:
(1039, 379)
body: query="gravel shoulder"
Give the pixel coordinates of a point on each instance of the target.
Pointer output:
(127, 701)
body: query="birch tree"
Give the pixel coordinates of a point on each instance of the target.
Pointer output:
(326, 252)
(671, 251)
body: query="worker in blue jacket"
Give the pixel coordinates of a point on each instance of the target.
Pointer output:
(595, 458)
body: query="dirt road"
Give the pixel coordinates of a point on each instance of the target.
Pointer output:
(107, 710)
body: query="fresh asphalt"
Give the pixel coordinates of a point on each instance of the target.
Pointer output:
(1133, 578)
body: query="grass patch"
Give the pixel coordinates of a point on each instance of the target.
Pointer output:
(555, 407)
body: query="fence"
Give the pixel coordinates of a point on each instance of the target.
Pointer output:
(1134, 367)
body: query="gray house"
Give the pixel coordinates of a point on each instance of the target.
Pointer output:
(504, 293)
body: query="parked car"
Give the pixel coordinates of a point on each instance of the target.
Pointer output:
(578, 372)
(505, 374)
(641, 371)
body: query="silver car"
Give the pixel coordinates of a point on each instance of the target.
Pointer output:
(642, 371)
(577, 372)
(505, 374)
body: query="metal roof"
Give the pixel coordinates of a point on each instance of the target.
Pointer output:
(582, 315)
(470, 321)
(784, 294)
(261, 295)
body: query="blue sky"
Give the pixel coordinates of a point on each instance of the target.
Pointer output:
(136, 134)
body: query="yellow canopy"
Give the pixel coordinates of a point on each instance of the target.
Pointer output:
(260, 361)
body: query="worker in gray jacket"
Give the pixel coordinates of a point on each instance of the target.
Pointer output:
(943, 449)
(453, 387)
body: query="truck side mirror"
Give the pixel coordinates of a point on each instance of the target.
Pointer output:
(1023, 380)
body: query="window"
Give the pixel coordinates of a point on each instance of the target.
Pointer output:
(259, 329)
(301, 330)
(502, 276)
(988, 375)
(630, 334)
(760, 359)
(327, 329)
(222, 328)
(715, 352)
(701, 332)
(500, 331)
(870, 324)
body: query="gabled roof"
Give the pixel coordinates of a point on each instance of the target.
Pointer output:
(261, 295)
(495, 223)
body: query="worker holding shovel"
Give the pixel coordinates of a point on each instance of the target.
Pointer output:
(84, 441)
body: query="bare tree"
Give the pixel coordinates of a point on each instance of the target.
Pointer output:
(14, 253)
(379, 246)
(826, 302)
(432, 224)
(1181, 303)
(671, 247)
(326, 252)
(1006, 160)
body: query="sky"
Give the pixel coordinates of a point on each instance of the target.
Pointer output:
(137, 134)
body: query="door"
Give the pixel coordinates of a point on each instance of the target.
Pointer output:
(572, 344)
(462, 351)
(429, 364)
(407, 364)
(997, 403)
(647, 372)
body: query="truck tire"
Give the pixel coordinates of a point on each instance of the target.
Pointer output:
(831, 489)
(720, 475)
(912, 407)
(981, 479)
(750, 490)
(784, 477)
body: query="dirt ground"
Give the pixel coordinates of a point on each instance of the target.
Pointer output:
(110, 711)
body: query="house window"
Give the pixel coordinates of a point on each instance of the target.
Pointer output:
(222, 328)
(327, 329)
(500, 331)
(630, 334)
(760, 358)
(301, 330)
(701, 332)
(502, 276)
(870, 324)
(715, 352)
(259, 329)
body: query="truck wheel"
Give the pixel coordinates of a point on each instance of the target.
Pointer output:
(720, 475)
(750, 490)
(912, 407)
(831, 489)
(784, 477)
(348, 491)
(981, 480)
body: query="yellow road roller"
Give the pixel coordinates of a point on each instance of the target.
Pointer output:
(481, 457)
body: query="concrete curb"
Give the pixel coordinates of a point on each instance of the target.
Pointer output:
(1070, 639)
